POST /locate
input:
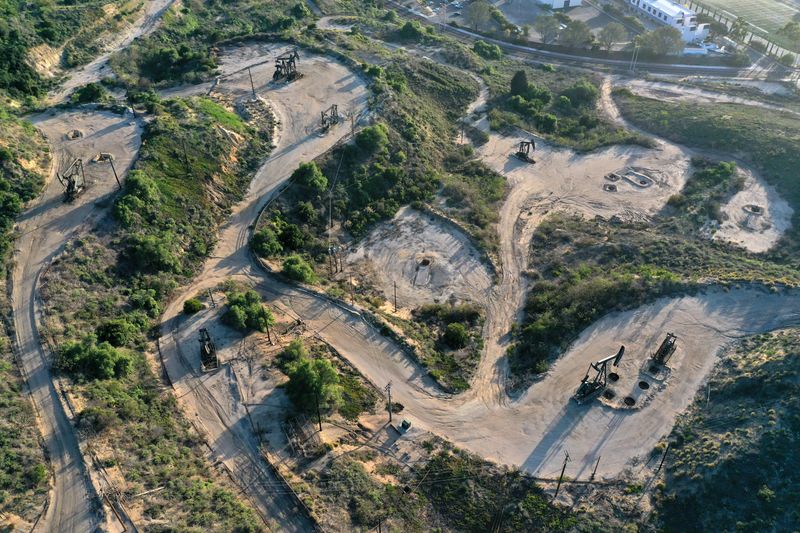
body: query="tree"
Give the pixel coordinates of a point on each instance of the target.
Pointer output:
(312, 380)
(576, 34)
(519, 83)
(478, 13)
(662, 41)
(296, 268)
(373, 138)
(611, 34)
(192, 306)
(265, 243)
(456, 335)
(548, 27)
(792, 32)
(739, 29)
(310, 176)
(487, 50)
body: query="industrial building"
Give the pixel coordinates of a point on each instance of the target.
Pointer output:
(673, 14)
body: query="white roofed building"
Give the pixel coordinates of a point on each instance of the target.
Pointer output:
(560, 4)
(673, 14)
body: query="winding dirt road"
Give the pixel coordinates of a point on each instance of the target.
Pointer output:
(535, 429)
(44, 228)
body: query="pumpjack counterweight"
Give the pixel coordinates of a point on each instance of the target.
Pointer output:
(208, 352)
(591, 387)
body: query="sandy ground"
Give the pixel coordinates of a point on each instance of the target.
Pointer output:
(756, 217)
(670, 91)
(45, 227)
(756, 232)
(213, 401)
(98, 68)
(429, 263)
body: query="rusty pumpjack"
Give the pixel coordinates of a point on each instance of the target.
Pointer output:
(590, 388)
(665, 351)
(330, 117)
(525, 149)
(286, 67)
(73, 180)
(208, 352)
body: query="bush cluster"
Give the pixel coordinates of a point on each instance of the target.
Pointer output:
(246, 312)
(88, 360)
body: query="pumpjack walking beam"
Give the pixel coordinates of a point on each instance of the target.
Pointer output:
(330, 116)
(208, 352)
(667, 348)
(590, 387)
(524, 151)
(286, 66)
(73, 179)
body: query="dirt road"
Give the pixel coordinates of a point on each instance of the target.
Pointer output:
(534, 430)
(44, 228)
(212, 402)
(98, 67)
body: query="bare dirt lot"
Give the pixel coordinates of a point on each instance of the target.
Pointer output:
(430, 262)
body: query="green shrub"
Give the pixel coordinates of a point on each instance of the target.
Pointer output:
(487, 50)
(151, 253)
(91, 92)
(88, 360)
(296, 268)
(309, 176)
(582, 93)
(117, 332)
(412, 31)
(192, 306)
(294, 352)
(456, 335)
(373, 138)
(265, 243)
(246, 312)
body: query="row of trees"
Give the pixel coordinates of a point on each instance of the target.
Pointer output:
(577, 33)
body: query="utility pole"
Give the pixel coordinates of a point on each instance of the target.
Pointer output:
(395, 296)
(595, 468)
(663, 457)
(708, 394)
(114, 170)
(389, 393)
(350, 282)
(211, 296)
(319, 416)
(561, 477)
(252, 85)
(634, 57)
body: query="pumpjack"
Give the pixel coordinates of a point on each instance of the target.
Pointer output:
(330, 117)
(286, 67)
(208, 352)
(525, 149)
(667, 348)
(73, 180)
(592, 387)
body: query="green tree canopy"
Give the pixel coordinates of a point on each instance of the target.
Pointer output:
(612, 33)
(478, 13)
(548, 27)
(310, 379)
(576, 34)
(662, 41)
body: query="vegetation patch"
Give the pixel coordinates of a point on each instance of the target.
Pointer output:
(768, 139)
(559, 105)
(196, 161)
(732, 463)
(448, 341)
(586, 269)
